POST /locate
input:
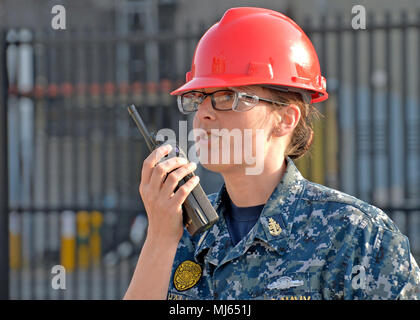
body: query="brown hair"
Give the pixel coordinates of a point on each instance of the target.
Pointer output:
(302, 137)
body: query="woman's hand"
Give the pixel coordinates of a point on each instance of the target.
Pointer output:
(162, 204)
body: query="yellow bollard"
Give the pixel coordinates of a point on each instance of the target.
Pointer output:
(95, 237)
(83, 233)
(68, 240)
(331, 144)
(303, 165)
(15, 236)
(317, 160)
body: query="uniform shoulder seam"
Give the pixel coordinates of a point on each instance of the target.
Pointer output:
(370, 211)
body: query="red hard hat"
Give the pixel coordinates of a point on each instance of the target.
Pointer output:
(255, 46)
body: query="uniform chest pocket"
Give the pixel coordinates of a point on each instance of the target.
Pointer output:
(293, 286)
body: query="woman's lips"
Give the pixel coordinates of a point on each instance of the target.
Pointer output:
(205, 137)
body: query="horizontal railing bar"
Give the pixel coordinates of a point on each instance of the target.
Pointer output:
(72, 208)
(95, 208)
(168, 36)
(106, 38)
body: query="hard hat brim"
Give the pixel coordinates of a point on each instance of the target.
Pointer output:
(237, 81)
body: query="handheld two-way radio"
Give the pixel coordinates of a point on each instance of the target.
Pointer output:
(198, 213)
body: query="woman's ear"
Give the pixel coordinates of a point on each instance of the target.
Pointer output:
(287, 120)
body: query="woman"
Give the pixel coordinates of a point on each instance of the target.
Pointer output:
(279, 235)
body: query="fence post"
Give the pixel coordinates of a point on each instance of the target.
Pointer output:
(4, 187)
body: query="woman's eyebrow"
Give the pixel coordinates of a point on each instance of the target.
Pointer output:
(227, 89)
(245, 88)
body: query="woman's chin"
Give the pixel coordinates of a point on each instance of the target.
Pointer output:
(219, 167)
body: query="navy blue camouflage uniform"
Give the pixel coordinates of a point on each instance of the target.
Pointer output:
(310, 242)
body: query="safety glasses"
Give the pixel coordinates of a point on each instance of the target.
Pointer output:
(221, 100)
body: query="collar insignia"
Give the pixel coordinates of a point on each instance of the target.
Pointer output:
(274, 227)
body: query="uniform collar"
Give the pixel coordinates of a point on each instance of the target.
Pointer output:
(279, 210)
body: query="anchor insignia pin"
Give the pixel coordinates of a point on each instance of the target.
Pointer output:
(274, 227)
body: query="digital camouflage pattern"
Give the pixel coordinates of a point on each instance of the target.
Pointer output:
(331, 246)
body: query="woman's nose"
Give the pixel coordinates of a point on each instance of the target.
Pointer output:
(205, 110)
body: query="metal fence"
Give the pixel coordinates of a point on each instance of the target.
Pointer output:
(74, 156)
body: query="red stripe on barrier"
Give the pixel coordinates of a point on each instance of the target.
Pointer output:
(81, 88)
(109, 88)
(52, 90)
(39, 91)
(124, 88)
(95, 89)
(165, 86)
(151, 87)
(137, 88)
(67, 89)
(13, 90)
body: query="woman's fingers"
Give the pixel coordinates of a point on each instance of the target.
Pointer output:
(182, 193)
(163, 212)
(161, 170)
(175, 177)
(151, 161)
